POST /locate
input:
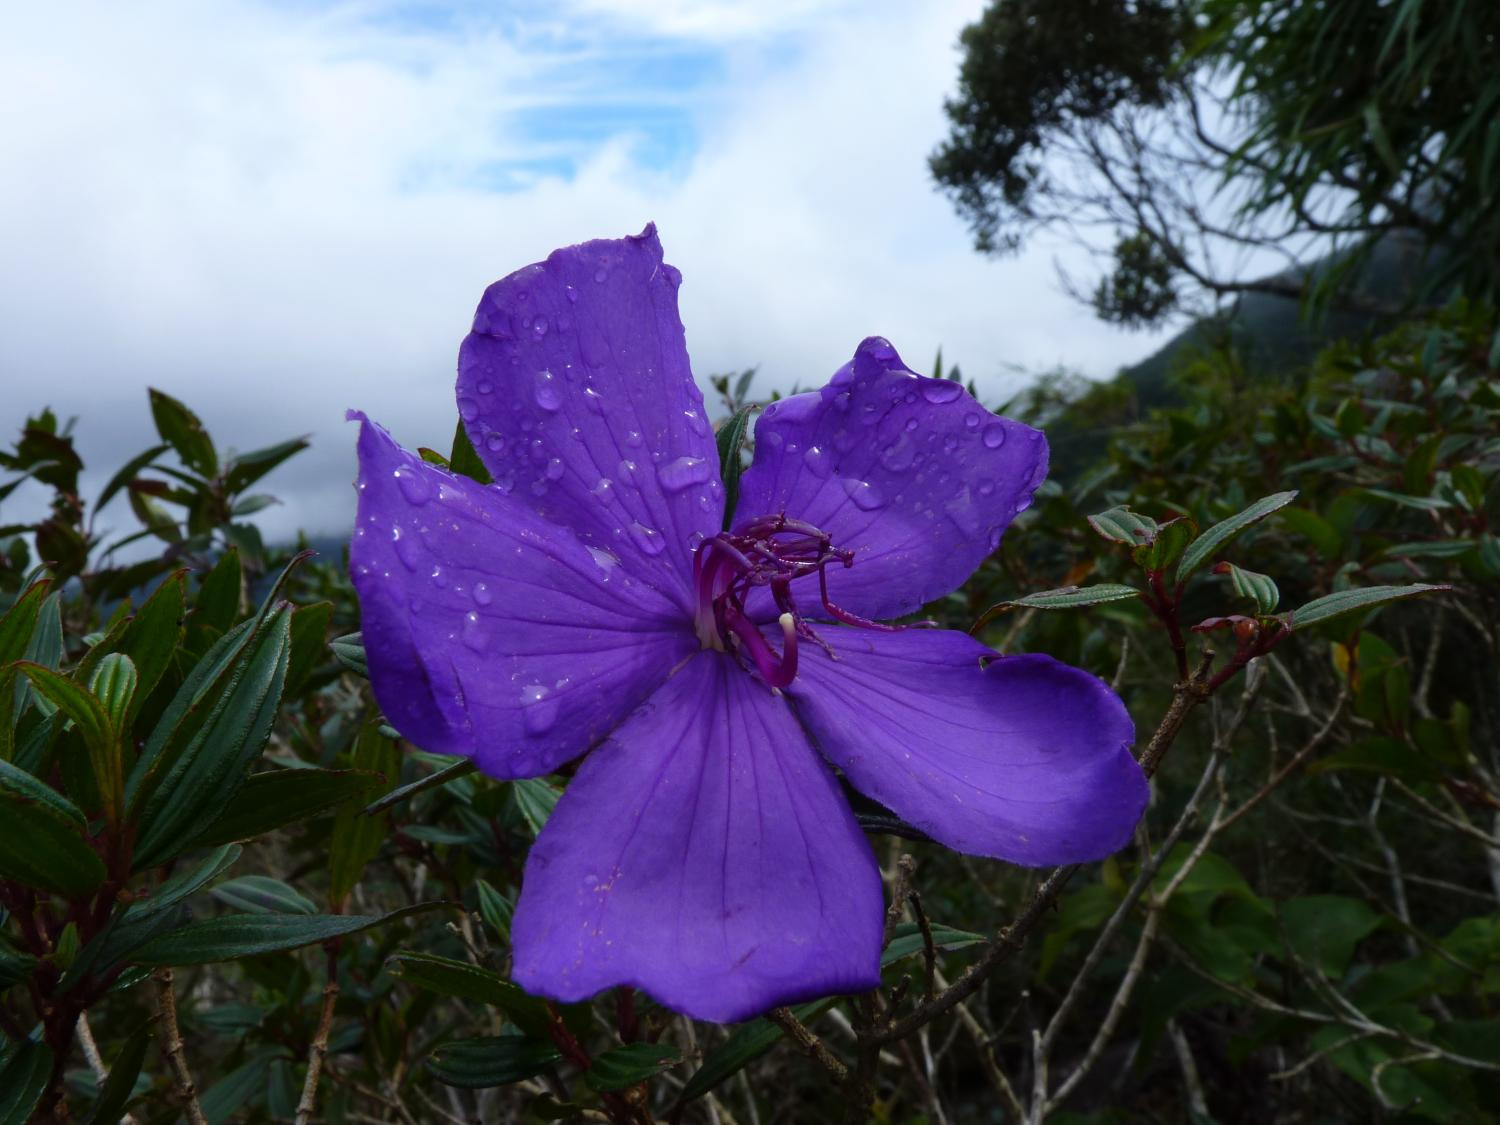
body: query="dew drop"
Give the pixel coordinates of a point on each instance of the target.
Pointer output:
(538, 710)
(683, 473)
(413, 487)
(864, 494)
(539, 327)
(554, 470)
(485, 387)
(600, 274)
(571, 293)
(548, 397)
(407, 549)
(604, 488)
(472, 632)
(817, 461)
(911, 424)
(633, 437)
(986, 487)
(439, 579)
(594, 399)
(938, 391)
(971, 421)
(648, 539)
(482, 595)
(607, 560)
(626, 470)
(495, 443)
(899, 455)
(994, 435)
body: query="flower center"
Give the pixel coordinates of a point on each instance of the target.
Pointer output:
(772, 551)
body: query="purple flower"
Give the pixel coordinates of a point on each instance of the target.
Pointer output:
(588, 601)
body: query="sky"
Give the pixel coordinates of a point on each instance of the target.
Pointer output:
(279, 209)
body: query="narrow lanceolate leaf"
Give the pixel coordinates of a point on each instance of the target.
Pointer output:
(1203, 548)
(357, 838)
(261, 894)
(622, 1067)
(180, 426)
(349, 650)
(1121, 525)
(731, 442)
(247, 468)
(19, 621)
(535, 798)
(75, 701)
(478, 1064)
(42, 843)
(276, 798)
(461, 768)
(232, 936)
(1171, 540)
(908, 940)
(1334, 605)
(127, 473)
(1250, 584)
(25, 1068)
(123, 1071)
(203, 766)
(470, 982)
(219, 594)
(1064, 597)
(745, 1044)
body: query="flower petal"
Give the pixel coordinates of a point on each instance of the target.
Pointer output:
(703, 854)
(577, 394)
(490, 632)
(911, 473)
(1022, 758)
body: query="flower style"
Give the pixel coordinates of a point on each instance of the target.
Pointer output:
(589, 600)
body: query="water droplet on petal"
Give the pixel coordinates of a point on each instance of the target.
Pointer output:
(468, 409)
(938, 391)
(594, 399)
(817, 461)
(495, 443)
(472, 632)
(626, 470)
(439, 579)
(986, 487)
(413, 487)
(539, 327)
(683, 473)
(633, 437)
(604, 488)
(485, 387)
(482, 594)
(607, 560)
(554, 470)
(864, 494)
(648, 539)
(538, 711)
(898, 456)
(911, 424)
(971, 421)
(548, 397)
(600, 274)
(994, 435)
(571, 293)
(407, 549)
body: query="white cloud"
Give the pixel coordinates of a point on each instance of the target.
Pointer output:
(277, 213)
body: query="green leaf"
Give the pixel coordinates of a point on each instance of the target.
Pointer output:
(204, 761)
(349, 650)
(495, 909)
(535, 798)
(261, 894)
(1172, 539)
(1204, 547)
(42, 845)
(907, 940)
(19, 622)
(75, 701)
(1324, 929)
(1069, 597)
(470, 982)
(746, 1043)
(1253, 585)
(218, 601)
(1121, 525)
(1432, 549)
(151, 638)
(180, 427)
(622, 1067)
(232, 936)
(276, 798)
(461, 768)
(1379, 754)
(309, 633)
(247, 468)
(357, 838)
(24, 1071)
(128, 473)
(478, 1064)
(238, 1089)
(731, 442)
(1341, 602)
(464, 460)
(113, 684)
(1420, 503)
(120, 1086)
